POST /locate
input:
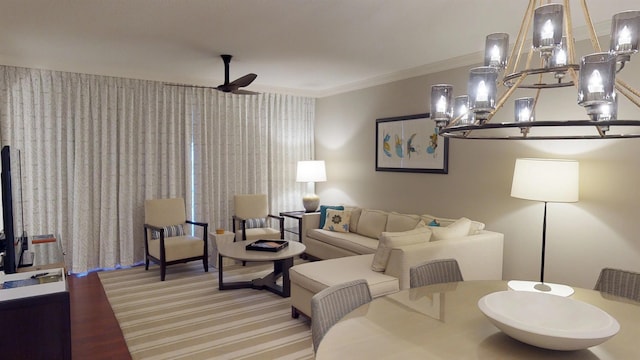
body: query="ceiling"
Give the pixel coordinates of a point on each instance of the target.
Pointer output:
(304, 47)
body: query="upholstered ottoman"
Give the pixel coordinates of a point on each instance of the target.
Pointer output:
(309, 278)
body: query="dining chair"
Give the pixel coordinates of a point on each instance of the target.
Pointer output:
(165, 239)
(434, 272)
(619, 283)
(331, 304)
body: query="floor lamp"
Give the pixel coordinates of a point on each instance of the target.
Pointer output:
(311, 171)
(546, 180)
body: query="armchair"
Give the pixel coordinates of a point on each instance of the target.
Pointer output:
(165, 241)
(251, 219)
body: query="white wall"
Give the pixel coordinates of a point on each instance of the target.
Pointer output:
(602, 229)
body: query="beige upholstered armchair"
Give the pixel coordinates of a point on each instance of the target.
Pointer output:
(165, 241)
(252, 219)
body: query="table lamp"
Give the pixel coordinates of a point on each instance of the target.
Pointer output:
(311, 171)
(546, 180)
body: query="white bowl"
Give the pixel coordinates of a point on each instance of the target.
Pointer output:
(548, 321)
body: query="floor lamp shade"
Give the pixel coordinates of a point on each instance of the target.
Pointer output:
(546, 180)
(311, 171)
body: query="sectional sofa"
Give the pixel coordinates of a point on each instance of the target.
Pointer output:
(379, 246)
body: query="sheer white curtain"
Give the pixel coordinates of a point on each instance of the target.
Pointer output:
(248, 145)
(95, 147)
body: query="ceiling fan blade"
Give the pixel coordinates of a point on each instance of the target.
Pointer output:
(245, 92)
(244, 80)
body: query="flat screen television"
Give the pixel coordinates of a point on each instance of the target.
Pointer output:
(14, 234)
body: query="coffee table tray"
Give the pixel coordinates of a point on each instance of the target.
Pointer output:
(268, 245)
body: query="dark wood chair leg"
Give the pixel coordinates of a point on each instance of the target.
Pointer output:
(163, 271)
(294, 313)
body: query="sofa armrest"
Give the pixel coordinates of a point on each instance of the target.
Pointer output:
(479, 256)
(309, 221)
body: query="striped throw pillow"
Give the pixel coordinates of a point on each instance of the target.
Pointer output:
(169, 231)
(256, 223)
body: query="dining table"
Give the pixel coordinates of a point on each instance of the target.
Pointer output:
(443, 321)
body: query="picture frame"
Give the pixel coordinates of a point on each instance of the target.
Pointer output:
(411, 144)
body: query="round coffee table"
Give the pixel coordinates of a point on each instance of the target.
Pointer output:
(282, 261)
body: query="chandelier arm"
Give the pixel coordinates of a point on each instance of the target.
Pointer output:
(628, 87)
(506, 96)
(574, 76)
(521, 39)
(568, 27)
(625, 89)
(592, 31)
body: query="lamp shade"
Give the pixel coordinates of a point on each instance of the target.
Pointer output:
(550, 180)
(311, 171)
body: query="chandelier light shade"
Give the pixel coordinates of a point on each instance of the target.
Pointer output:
(495, 50)
(461, 110)
(597, 82)
(625, 28)
(524, 109)
(596, 78)
(310, 172)
(482, 90)
(442, 96)
(546, 180)
(547, 27)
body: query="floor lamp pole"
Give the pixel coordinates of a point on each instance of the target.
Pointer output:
(542, 286)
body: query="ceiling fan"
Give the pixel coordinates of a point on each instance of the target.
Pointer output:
(228, 87)
(235, 85)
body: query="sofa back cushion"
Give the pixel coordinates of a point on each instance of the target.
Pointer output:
(390, 240)
(355, 217)
(459, 228)
(476, 226)
(371, 223)
(401, 222)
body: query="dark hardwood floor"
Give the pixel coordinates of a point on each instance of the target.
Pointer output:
(95, 333)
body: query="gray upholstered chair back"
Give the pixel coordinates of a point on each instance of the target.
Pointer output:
(434, 272)
(619, 283)
(331, 304)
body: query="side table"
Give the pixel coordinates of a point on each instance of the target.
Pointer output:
(217, 240)
(296, 215)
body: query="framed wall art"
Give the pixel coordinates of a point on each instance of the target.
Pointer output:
(411, 144)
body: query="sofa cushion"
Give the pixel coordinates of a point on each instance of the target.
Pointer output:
(390, 240)
(318, 275)
(323, 212)
(397, 222)
(459, 228)
(337, 220)
(349, 241)
(355, 217)
(476, 226)
(372, 223)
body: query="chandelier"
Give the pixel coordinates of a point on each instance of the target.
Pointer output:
(595, 78)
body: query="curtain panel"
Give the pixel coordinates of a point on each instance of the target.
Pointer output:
(95, 147)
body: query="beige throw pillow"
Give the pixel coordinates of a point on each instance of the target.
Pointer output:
(337, 220)
(458, 228)
(390, 240)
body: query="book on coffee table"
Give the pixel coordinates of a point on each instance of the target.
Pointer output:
(268, 245)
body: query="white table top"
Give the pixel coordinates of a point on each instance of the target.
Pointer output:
(236, 250)
(444, 322)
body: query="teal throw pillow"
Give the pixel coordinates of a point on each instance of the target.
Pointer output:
(323, 212)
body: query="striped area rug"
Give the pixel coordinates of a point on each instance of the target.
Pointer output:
(187, 317)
